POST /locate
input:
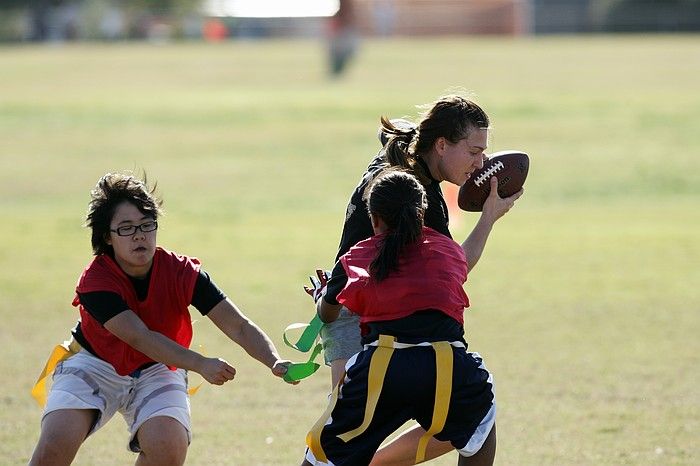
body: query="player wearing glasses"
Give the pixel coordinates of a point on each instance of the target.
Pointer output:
(134, 333)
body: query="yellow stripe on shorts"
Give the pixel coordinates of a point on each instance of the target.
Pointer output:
(313, 438)
(375, 380)
(443, 393)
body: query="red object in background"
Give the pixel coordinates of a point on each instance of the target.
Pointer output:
(451, 194)
(214, 30)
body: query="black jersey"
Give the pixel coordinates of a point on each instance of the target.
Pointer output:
(358, 226)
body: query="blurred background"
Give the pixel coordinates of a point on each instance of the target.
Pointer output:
(161, 20)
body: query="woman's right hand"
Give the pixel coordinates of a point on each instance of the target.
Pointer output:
(216, 371)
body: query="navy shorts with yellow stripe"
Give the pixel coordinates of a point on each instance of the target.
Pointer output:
(408, 392)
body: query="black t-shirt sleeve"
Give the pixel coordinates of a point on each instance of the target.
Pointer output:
(357, 225)
(103, 305)
(206, 294)
(336, 283)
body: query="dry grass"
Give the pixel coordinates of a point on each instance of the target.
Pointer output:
(585, 306)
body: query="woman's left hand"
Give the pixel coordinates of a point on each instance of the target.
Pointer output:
(318, 285)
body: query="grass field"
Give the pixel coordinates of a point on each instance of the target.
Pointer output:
(586, 305)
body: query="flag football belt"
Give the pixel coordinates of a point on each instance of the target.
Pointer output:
(307, 340)
(64, 351)
(378, 365)
(60, 353)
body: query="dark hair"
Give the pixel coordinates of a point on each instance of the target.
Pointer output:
(110, 191)
(399, 199)
(451, 116)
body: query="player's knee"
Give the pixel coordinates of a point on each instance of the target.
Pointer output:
(167, 451)
(42, 454)
(53, 451)
(163, 440)
(59, 440)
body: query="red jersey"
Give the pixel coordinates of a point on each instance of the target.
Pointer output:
(165, 309)
(430, 275)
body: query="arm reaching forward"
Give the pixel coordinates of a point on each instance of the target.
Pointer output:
(247, 335)
(128, 327)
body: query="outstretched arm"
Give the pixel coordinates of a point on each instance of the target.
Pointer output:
(247, 335)
(128, 327)
(494, 208)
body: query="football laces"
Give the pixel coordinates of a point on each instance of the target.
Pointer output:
(481, 179)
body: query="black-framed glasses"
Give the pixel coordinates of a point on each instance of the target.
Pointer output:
(131, 229)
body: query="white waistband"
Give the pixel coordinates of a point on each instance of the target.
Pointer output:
(399, 345)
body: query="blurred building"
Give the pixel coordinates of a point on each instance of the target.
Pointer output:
(158, 20)
(442, 17)
(513, 17)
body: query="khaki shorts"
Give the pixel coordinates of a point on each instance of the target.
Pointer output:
(341, 338)
(84, 381)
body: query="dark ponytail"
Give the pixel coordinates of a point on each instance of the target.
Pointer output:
(399, 200)
(399, 150)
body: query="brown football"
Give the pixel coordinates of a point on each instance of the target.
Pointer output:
(509, 166)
